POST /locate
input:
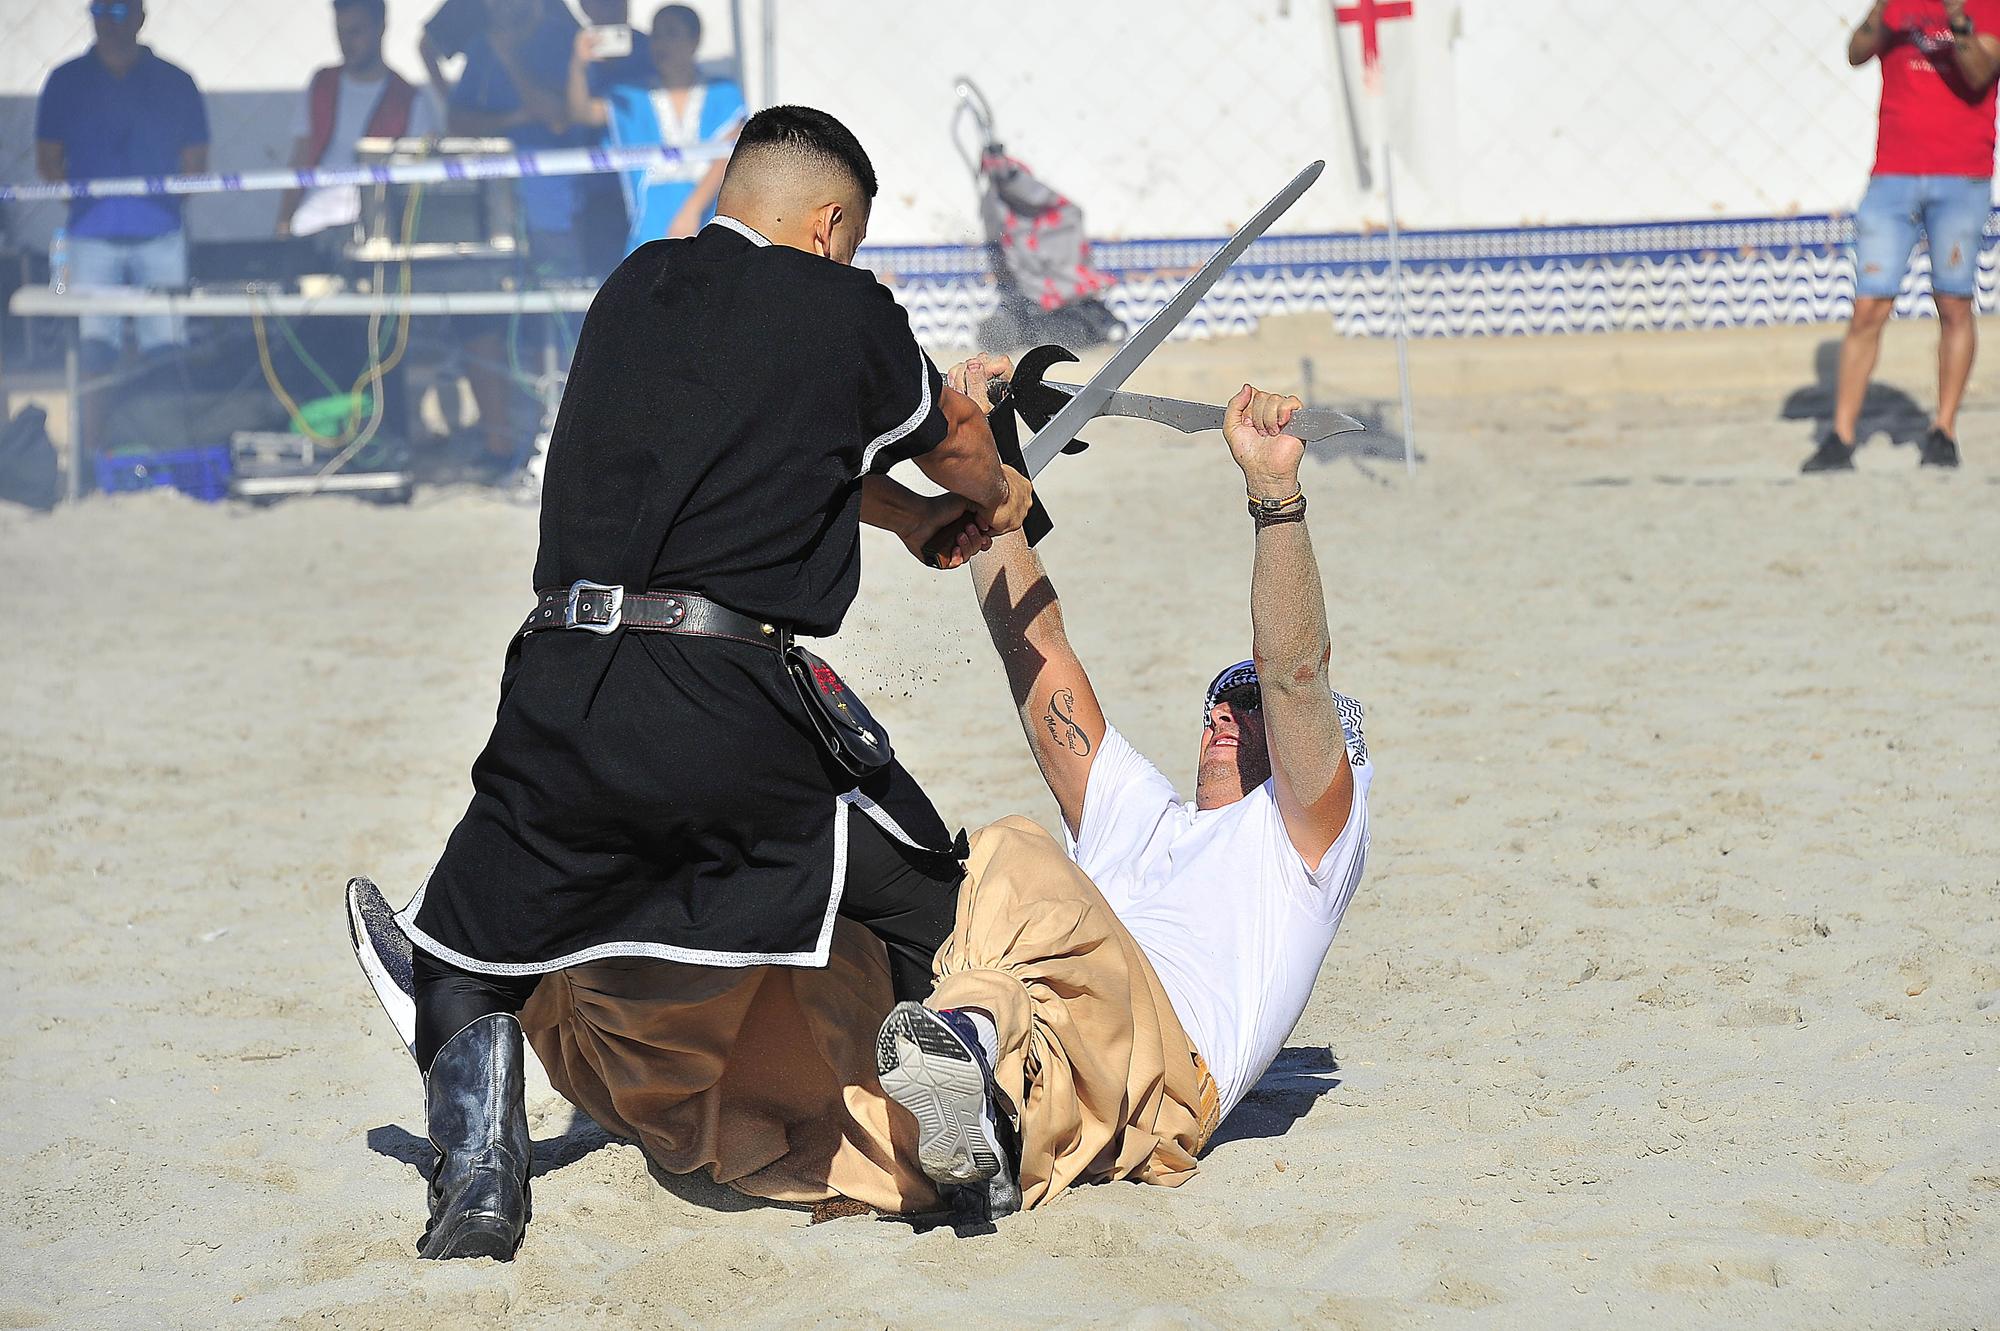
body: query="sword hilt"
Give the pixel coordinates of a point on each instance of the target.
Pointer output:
(1007, 442)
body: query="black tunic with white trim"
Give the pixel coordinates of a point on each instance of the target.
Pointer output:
(658, 795)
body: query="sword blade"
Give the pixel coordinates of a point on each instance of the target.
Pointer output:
(1310, 424)
(1089, 400)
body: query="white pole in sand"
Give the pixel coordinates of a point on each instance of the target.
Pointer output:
(1398, 316)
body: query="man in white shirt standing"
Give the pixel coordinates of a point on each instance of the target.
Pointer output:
(359, 98)
(1233, 897)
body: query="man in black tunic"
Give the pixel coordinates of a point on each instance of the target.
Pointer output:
(734, 400)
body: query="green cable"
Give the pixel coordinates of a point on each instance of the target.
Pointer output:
(386, 338)
(305, 357)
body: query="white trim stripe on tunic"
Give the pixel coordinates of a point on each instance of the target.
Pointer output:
(822, 947)
(882, 441)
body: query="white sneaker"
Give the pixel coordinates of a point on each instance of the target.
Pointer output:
(930, 1063)
(384, 951)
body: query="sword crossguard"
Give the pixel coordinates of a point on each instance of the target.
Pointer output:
(1033, 402)
(1024, 398)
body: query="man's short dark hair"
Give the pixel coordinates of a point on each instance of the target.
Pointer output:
(807, 132)
(689, 20)
(376, 9)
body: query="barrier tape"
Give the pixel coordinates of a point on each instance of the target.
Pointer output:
(517, 166)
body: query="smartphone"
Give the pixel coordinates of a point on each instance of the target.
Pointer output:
(608, 41)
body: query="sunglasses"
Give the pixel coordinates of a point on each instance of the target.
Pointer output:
(115, 13)
(1241, 698)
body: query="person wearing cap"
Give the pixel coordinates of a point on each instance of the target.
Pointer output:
(1232, 898)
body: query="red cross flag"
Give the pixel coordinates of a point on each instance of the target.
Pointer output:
(1395, 82)
(1368, 16)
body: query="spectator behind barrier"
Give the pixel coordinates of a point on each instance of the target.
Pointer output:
(359, 98)
(671, 105)
(602, 220)
(120, 110)
(514, 85)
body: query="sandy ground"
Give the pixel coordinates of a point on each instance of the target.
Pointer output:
(1670, 999)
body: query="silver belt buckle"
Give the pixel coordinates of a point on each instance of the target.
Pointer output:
(613, 594)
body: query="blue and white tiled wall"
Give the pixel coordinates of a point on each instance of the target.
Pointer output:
(1573, 279)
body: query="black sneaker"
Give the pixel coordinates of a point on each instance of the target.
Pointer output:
(1832, 455)
(1939, 450)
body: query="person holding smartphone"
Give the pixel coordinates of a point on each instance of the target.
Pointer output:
(619, 53)
(670, 104)
(1933, 177)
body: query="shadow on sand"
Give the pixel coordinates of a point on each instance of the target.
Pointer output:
(1377, 443)
(1885, 410)
(1299, 1075)
(551, 1153)
(582, 1138)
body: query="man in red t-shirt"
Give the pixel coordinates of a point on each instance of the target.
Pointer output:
(1934, 174)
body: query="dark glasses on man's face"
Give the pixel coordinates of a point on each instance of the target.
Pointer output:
(1241, 698)
(113, 13)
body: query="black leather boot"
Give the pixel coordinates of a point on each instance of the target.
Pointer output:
(479, 1123)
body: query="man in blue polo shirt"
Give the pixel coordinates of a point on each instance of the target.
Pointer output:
(120, 110)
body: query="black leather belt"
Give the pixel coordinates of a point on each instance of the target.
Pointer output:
(596, 607)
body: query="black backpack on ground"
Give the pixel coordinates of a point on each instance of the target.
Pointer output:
(28, 473)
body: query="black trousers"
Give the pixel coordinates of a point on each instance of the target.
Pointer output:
(907, 898)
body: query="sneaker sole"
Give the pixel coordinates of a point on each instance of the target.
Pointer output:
(929, 1072)
(383, 950)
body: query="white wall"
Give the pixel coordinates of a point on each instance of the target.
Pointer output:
(1586, 110)
(1176, 117)
(1179, 116)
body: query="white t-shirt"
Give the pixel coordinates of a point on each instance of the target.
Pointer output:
(340, 205)
(1235, 923)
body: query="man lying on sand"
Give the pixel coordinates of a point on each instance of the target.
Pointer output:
(1096, 1013)
(1232, 899)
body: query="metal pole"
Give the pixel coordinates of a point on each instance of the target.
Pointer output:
(736, 45)
(1399, 318)
(73, 386)
(769, 36)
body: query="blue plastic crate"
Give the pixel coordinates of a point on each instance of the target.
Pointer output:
(202, 473)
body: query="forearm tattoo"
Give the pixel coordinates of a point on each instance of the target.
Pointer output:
(1063, 729)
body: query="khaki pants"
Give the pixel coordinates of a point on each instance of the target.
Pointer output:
(765, 1078)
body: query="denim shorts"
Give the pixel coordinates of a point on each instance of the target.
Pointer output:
(1950, 211)
(159, 263)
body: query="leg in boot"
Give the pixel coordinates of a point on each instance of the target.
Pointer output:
(479, 1124)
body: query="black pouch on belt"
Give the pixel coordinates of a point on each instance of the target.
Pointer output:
(850, 733)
